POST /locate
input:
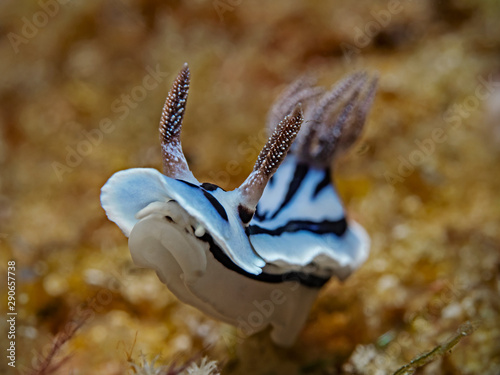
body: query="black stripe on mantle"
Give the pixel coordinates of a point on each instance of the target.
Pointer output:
(298, 176)
(305, 279)
(205, 188)
(337, 227)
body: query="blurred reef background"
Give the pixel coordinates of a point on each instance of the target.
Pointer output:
(82, 85)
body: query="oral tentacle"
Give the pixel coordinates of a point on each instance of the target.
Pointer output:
(199, 231)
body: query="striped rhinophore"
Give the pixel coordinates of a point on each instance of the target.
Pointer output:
(255, 256)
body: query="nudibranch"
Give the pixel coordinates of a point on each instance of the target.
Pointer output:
(258, 255)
